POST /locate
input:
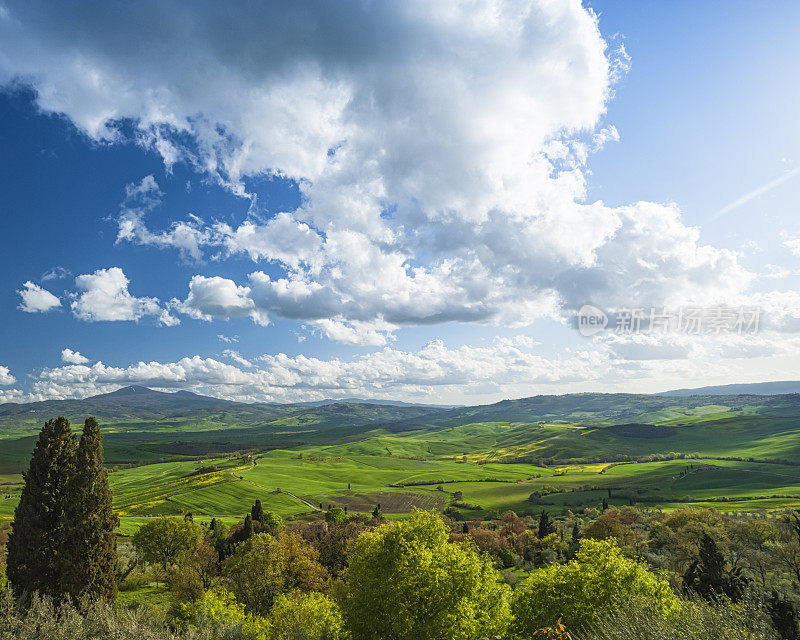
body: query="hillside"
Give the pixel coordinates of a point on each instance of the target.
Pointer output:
(751, 388)
(187, 451)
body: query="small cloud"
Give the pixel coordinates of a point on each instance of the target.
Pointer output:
(752, 246)
(73, 357)
(792, 243)
(5, 376)
(237, 357)
(37, 300)
(56, 273)
(228, 339)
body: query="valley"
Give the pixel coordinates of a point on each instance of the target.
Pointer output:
(180, 453)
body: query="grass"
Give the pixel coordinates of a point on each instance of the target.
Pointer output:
(306, 458)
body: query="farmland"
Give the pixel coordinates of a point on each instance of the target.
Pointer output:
(558, 453)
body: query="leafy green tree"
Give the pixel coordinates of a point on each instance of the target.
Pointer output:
(272, 523)
(585, 589)
(36, 547)
(91, 546)
(264, 566)
(405, 580)
(335, 514)
(165, 541)
(199, 571)
(708, 577)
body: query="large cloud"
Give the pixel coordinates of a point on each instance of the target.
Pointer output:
(73, 357)
(440, 151)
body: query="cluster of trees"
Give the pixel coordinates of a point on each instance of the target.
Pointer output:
(599, 574)
(62, 541)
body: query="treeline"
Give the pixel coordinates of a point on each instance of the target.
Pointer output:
(622, 458)
(597, 574)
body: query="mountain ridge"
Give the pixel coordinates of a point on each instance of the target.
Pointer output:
(777, 388)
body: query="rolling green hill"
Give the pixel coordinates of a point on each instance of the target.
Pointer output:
(175, 453)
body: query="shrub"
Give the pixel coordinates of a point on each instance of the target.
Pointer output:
(698, 620)
(586, 588)
(301, 616)
(218, 608)
(41, 620)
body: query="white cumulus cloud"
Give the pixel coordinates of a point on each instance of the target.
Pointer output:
(440, 151)
(37, 300)
(104, 296)
(5, 376)
(73, 357)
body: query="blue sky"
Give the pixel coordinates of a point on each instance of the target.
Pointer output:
(393, 201)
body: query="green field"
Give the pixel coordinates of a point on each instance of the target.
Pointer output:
(730, 453)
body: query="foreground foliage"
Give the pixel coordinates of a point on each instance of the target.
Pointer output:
(697, 620)
(406, 581)
(588, 587)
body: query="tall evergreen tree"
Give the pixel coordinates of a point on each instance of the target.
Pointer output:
(91, 546)
(247, 528)
(257, 512)
(546, 526)
(708, 577)
(36, 545)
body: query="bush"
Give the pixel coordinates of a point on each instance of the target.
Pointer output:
(697, 621)
(41, 620)
(218, 608)
(585, 589)
(302, 616)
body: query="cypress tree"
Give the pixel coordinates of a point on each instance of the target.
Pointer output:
(546, 526)
(92, 544)
(36, 544)
(247, 529)
(708, 577)
(257, 512)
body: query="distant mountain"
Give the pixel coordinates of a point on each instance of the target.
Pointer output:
(594, 408)
(139, 401)
(142, 409)
(141, 424)
(136, 396)
(751, 388)
(379, 401)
